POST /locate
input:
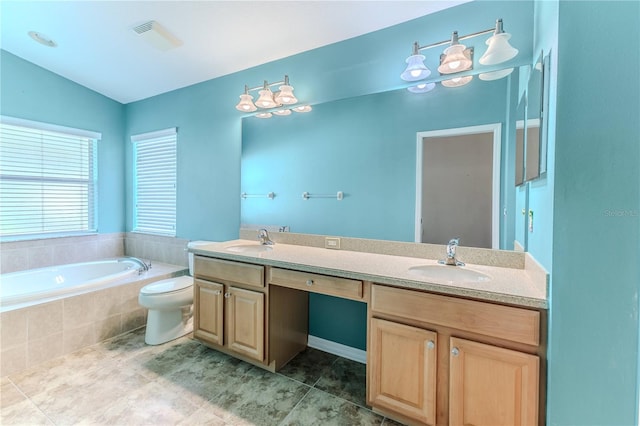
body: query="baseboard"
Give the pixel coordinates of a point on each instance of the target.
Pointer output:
(339, 349)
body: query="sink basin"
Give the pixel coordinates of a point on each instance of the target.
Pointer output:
(249, 248)
(449, 273)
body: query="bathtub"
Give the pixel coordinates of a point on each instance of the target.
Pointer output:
(44, 284)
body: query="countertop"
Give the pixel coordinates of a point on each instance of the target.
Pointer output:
(507, 285)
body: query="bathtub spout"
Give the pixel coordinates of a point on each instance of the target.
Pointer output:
(144, 267)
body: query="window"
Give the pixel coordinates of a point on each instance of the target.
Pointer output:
(154, 162)
(47, 179)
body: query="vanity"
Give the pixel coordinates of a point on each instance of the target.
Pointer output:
(467, 348)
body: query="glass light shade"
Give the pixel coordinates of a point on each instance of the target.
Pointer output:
(264, 115)
(285, 96)
(421, 88)
(265, 100)
(282, 112)
(246, 103)
(495, 75)
(302, 108)
(499, 50)
(457, 81)
(416, 69)
(455, 60)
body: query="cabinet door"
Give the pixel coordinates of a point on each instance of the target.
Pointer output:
(209, 308)
(403, 370)
(245, 322)
(493, 386)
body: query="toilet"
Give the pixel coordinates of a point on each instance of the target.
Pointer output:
(169, 303)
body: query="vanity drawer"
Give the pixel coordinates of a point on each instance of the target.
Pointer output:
(225, 270)
(503, 322)
(315, 283)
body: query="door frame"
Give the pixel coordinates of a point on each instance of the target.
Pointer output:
(496, 129)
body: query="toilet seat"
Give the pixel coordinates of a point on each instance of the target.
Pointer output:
(168, 285)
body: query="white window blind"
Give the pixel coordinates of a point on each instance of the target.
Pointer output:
(155, 182)
(47, 179)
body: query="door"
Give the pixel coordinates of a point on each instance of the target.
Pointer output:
(403, 370)
(245, 322)
(493, 386)
(458, 186)
(209, 309)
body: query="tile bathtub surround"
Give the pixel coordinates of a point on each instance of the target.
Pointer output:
(40, 253)
(35, 334)
(182, 383)
(156, 248)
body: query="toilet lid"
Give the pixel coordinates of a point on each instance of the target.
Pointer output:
(168, 285)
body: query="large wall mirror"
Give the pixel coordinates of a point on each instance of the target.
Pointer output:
(365, 147)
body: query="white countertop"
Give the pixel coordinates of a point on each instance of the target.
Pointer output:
(507, 285)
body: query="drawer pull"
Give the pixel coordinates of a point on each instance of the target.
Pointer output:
(431, 344)
(309, 283)
(455, 351)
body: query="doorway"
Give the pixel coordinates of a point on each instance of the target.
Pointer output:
(458, 186)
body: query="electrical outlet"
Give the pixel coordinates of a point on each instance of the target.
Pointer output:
(332, 243)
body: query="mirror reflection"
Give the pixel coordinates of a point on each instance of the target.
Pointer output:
(367, 147)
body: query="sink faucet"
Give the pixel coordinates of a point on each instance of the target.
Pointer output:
(451, 254)
(263, 237)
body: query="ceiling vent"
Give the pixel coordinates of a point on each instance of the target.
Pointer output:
(157, 36)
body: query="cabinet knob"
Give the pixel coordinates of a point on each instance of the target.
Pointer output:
(455, 351)
(309, 282)
(227, 295)
(217, 292)
(431, 344)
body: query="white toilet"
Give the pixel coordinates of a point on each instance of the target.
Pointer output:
(169, 303)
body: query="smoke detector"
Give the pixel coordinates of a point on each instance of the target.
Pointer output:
(157, 36)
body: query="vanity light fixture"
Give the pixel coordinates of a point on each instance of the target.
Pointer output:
(416, 69)
(499, 49)
(269, 100)
(458, 58)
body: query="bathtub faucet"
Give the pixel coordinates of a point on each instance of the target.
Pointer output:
(144, 267)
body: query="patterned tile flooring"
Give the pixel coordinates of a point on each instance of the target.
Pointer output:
(124, 382)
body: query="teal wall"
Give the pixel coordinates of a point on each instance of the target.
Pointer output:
(593, 346)
(33, 93)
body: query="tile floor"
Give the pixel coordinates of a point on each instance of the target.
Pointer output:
(124, 382)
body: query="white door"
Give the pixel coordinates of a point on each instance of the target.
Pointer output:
(457, 186)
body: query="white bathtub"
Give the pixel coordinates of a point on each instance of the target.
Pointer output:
(43, 284)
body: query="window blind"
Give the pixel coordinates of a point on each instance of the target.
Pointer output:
(155, 182)
(47, 179)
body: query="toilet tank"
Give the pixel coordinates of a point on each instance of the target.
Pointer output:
(194, 244)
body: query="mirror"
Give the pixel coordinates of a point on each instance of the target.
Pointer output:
(364, 147)
(531, 125)
(533, 113)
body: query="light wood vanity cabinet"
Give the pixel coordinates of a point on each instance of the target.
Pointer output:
(445, 360)
(237, 313)
(229, 314)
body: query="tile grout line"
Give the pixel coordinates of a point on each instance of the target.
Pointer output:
(297, 404)
(37, 407)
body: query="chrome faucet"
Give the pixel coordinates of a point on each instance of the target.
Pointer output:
(263, 237)
(451, 254)
(144, 267)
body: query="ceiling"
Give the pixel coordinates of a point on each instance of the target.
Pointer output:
(97, 47)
